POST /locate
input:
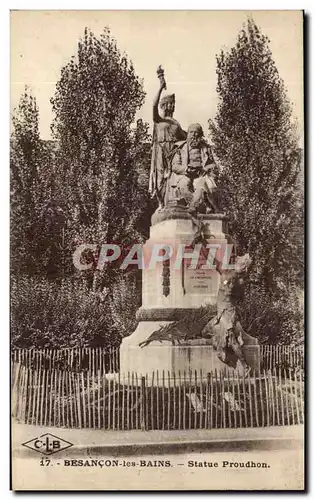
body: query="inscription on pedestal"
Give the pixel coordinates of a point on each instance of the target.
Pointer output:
(199, 281)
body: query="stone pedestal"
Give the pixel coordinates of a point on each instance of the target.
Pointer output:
(173, 360)
(171, 289)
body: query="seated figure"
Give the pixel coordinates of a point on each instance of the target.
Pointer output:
(193, 172)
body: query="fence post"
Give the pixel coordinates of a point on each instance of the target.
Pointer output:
(143, 404)
(206, 425)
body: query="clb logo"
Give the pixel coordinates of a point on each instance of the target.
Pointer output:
(47, 444)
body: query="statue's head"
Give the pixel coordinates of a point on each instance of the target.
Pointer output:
(167, 104)
(195, 135)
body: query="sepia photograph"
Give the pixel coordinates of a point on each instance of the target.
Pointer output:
(157, 250)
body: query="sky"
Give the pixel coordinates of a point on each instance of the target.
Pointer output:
(185, 43)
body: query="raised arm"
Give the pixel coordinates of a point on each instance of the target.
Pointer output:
(156, 115)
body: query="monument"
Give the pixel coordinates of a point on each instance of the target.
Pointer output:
(188, 320)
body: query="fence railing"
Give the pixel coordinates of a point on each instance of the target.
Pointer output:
(106, 360)
(279, 356)
(165, 401)
(75, 359)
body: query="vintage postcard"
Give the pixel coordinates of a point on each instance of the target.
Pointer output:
(157, 191)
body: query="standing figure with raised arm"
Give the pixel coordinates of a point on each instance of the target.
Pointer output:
(167, 131)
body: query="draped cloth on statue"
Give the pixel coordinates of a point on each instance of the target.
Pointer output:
(165, 136)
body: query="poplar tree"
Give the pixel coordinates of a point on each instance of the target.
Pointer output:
(36, 218)
(101, 147)
(256, 142)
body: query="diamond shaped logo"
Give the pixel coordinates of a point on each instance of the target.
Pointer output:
(47, 444)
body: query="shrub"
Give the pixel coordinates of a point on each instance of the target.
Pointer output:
(46, 314)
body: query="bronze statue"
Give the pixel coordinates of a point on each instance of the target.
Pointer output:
(187, 328)
(194, 172)
(225, 328)
(167, 131)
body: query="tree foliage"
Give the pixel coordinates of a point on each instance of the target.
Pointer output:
(256, 142)
(92, 189)
(101, 152)
(50, 314)
(36, 219)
